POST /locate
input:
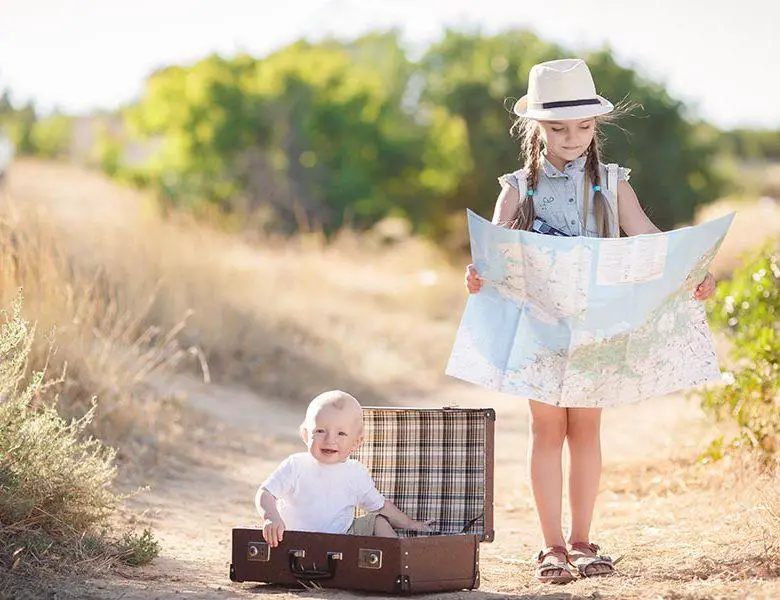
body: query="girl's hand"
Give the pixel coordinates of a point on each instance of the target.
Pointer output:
(706, 288)
(474, 282)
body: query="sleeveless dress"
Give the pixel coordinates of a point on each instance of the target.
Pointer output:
(559, 196)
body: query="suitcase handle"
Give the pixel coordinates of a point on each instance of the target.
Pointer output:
(313, 574)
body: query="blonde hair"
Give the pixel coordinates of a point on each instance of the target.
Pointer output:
(529, 132)
(333, 399)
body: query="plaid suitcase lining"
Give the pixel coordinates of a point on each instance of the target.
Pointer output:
(430, 463)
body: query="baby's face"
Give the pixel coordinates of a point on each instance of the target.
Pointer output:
(334, 434)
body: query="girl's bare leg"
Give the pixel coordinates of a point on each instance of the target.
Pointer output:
(547, 432)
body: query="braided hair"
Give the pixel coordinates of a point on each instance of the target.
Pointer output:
(601, 209)
(530, 135)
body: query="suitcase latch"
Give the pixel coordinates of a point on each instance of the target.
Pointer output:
(369, 559)
(259, 551)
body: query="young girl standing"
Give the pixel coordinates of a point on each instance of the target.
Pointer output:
(564, 188)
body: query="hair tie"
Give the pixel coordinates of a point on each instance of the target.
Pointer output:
(529, 192)
(596, 188)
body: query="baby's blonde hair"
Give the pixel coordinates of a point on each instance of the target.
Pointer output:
(333, 399)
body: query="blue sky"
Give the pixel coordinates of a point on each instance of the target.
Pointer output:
(719, 56)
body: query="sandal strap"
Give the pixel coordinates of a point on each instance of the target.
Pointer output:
(585, 547)
(585, 563)
(564, 569)
(548, 566)
(559, 551)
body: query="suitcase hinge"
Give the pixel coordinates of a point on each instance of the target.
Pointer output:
(403, 585)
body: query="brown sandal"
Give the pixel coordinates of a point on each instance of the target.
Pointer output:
(562, 571)
(591, 558)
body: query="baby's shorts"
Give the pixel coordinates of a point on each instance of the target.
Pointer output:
(363, 525)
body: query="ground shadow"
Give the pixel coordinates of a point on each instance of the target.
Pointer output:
(274, 589)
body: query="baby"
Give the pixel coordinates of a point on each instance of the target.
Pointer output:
(318, 490)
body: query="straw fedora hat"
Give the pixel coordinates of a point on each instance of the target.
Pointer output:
(559, 90)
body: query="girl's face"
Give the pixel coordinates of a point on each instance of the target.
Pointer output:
(567, 140)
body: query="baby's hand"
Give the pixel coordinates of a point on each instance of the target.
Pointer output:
(426, 526)
(273, 531)
(474, 282)
(706, 288)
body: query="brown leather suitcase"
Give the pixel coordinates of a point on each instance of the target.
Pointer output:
(433, 464)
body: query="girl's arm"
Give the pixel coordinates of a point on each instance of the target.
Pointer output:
(633, 219)
(506, 208)
(506, 205)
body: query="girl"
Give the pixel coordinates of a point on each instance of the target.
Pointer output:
(565, 187)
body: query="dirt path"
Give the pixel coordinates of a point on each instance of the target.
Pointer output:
(654, 509)
(682, 532)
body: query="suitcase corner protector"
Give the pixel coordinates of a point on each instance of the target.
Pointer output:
(233, 573)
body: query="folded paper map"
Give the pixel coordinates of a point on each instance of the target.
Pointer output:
(587, 322)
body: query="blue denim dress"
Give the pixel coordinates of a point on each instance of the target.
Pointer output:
(559, 196)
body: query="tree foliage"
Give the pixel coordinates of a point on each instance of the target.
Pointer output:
(753, 144)
(336, 132)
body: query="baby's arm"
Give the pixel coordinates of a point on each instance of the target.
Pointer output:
(273, 525)
(370, 499)
(401, 520)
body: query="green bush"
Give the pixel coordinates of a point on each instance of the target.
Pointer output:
(138, 549)
(51, 136)
(51, 476)
(56, 483)
(747, 309)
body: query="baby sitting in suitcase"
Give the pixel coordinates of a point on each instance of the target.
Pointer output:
(318, 490)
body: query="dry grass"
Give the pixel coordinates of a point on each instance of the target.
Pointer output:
(680, 530)
(756, 220)
(758, 177)
(287, 317)
(104, 347)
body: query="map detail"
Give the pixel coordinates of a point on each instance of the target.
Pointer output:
(587, 322)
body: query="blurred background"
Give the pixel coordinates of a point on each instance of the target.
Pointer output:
(257, 189)
(272, 195)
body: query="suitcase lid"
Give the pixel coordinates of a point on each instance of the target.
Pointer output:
(434, 463)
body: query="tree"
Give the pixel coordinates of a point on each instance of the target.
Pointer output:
(471, 77)
(338, 132)
(672, 165)
(199, 120)
(50, 137)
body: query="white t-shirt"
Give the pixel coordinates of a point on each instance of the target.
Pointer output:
(312, 496)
